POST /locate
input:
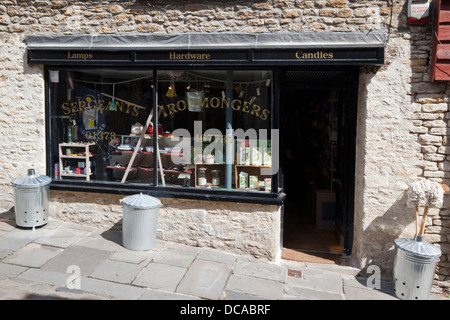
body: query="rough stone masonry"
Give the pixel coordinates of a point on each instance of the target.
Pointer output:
(402, 129)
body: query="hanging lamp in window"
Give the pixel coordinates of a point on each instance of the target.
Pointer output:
(171, 93)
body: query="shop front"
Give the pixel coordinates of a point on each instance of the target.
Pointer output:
(245, 138)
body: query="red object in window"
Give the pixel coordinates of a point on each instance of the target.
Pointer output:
(150, 129)
(440, 57)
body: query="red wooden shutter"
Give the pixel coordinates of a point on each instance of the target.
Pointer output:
(440, 57)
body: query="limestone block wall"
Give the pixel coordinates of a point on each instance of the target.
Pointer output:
(403, 135)
(248, 229)
(22, 116)
(402, 117)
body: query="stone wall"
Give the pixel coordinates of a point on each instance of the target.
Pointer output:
(180, 16)
(403, 134)
(248, 229)
(402, 117)
(22, 116)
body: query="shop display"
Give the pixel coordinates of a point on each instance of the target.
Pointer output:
(141, 168)
(194, 100)
(215, 178)
(114, 113)
(267, 157)
(253, 182)
(267, 184)
(245, 156)
(243, 180)
(256, 156)
(201, 179)
(214, 175)
(70, 165)
(137, 128)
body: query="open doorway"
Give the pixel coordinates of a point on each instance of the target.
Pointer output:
(318, 156)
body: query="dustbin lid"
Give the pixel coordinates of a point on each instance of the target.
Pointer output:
(418, 248)
(141, 201)
(31, 180)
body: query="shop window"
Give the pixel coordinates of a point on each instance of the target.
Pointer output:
(212, 128)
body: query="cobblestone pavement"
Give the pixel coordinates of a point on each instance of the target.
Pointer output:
(67, 261)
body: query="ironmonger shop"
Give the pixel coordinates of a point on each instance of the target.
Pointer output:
(248, 140)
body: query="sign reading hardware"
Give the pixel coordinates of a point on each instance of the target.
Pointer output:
(192, 56)
(189, 56)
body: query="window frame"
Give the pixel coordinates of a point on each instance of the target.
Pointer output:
(275, 197)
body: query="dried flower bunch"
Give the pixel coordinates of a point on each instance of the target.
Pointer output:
(425, 193)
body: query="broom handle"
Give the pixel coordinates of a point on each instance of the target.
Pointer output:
(417, 220)
(424, 218)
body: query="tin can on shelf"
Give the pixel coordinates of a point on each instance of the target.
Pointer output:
(56, 170)
(253, 182)
(267, 184)
(243, 180)
(215, 178)
(202, 177)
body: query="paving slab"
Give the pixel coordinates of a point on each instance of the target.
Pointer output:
(366, 283)
(99, 243)
(317, 279)
(16, 239)
(354, 293)
(117, 271)
(136, 257)
(293, 292)
(175, 257)
(160, 276)
(33, 255)
(162, 295)
(4, 253)
(111, 289)
(255, 286)
(53, 278)
(7, 225)
(233, 295)
(87, 259)
(216, 256)
(11, 270)
(205, 279)
(182, 247)
(7, 215)
(62, 237)
(51, 224)
(357, 289)
(19, 289)
(78, 226)
(259, 269)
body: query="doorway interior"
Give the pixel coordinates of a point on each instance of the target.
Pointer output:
(313, 131)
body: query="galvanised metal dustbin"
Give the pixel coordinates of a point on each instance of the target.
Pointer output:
(31, 195)
(140, 221)
(414, 267)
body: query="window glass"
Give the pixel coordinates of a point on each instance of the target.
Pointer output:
(96, 118)
(213, 130)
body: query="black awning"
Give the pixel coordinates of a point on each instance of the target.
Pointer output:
(209, 49)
